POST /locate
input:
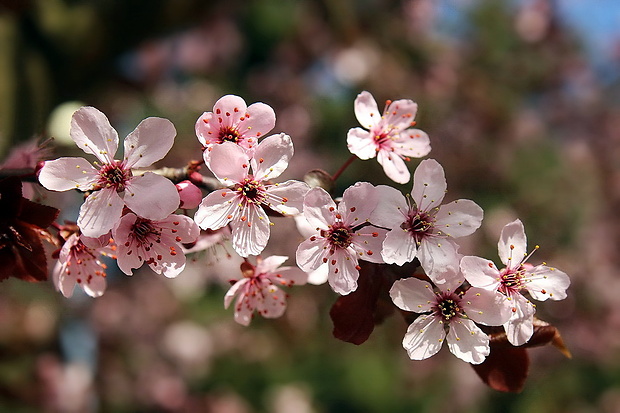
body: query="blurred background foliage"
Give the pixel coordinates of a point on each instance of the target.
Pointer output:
(522, 113)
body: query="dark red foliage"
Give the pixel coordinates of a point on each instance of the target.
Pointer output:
(355, 315)
(22, 227)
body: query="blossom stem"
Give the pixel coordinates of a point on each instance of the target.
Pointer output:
(343, 167)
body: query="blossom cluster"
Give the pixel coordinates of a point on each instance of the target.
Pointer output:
(139, 216)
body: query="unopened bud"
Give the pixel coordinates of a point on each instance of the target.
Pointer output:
(319, 178)
(190, 194)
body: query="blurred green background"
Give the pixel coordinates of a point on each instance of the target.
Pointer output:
(522, 107)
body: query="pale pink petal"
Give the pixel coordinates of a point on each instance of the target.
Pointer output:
(546, 282)
(512, 245)
(438, 256)
(459, 218)
(412, 142)
(289, 276)
(358, 203)
(310, 253)
(391, 210)
(149, 142)
(260, 119)
(486, 307)
(96, 243)
(228, 110)
(399, 114)
(270, 264)
(368, 243)
(95, 286)
(424, 337)
(183, 227)
(206, 130)
(319, 276)
(234, 290)
(244, 309)
(361, 143)
(273, 303)
(319, 208)
(399, 247)
(217, 209)
(250, 235)
(64, 174)
(91, 131)
(366, 110)
(429, 185)
(467, 342)
(287, 197)
(480, 273)
(127, 255)
(520, 327)
(173, 262)
(272, 156)
(394, 166)
(151, 196)
(100, 212)
(228, 162)
(343, 272)
(412, 294)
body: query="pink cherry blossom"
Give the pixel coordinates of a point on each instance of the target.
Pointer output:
(448, 313)
(157, 243)
(233, 121)
(79, 262)
(112, 183)
(541, 282)
(248, 194)
(258, 289)
(190, 195)
(389, 136)
(420, 226)
(343, 235)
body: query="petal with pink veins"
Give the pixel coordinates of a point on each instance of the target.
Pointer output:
(424, 337)
(512, 245)
(412, 294)
(100, 212)
(358, 203)
(217, 209)
(486, 307)
(438, 256)
(467, 342)
(287, 197)
(310, 253)
(151, 196)
(366, 110)
(459, 218)
(319, 208)
(343, 272)
(480, 272)
(429, 185)
(250, 230)
(361, 143)
(391, 210)
(91, 131)
(64, 174)
(394, 166)
(520, 327)
(149, 142)
(272, 156)
(546, 282)
(399, 247)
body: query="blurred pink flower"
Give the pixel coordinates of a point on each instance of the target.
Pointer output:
(79, 262)
(389, 136)
(149, 195)
(233, 121)
(157, 243)
(243, 203)
(420, 226)
(343, 236)
(258, 289)
(451, 312)
(541, 282)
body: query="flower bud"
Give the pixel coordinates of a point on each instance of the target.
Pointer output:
(190, 195)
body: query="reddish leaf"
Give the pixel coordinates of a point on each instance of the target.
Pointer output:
(505, 369)
(353, 315)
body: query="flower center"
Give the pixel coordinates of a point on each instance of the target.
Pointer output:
(113, 175)
(419, 224)
(511, 280)
(339, 236)
(448, 307)
(252, 190)
(229, 134)
(142, 228)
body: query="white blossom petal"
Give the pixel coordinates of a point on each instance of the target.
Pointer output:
(319, 208)
(149, 142)
(361, 143)
(391, 210)
(546, 282)
(358, 203)
(480, 272)
(412, 294)
(366, 110)
(512, 245)
(424, 337)
(100, 212)
(151, 196)
(486, 307)
(412, 142)
(287, 197)
(520, 327)
(217, 209)
(310, 253)
(250, 230)
(64, 174)
(467, 342)
(459, 218)
(272, 156)
(399, 247)
(394, 166)
(343, 272)
(91, 131)
(429, 185)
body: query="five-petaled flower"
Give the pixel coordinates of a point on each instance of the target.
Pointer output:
(233, 121)
(157, 243)
(448, 313)
(343, 235)
(541, 282)
(112, 184)
(258, 289)
(248, 194)
(420, 226)
(390, 137)
(79, 262)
